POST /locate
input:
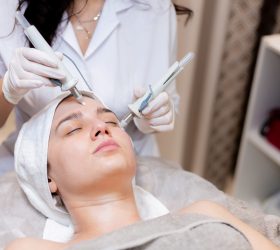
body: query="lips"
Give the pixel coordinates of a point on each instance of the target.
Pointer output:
(106, 146)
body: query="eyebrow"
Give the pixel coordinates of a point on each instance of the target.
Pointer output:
(74, 116)
(101, 110)
(78, 115)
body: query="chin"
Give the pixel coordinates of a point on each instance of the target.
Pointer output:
(115, 161)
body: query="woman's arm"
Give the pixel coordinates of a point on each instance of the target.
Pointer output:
(257, 240)
(5, 107)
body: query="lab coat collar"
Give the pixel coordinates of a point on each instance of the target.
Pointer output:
(66, 33)
(106, 25)
(7, 14)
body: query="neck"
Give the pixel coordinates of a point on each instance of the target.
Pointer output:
(87, 7)
(104, 215)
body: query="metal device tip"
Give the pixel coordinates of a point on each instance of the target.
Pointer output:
(123, 123)
(128, 118)
(80, 99)
(77, 95)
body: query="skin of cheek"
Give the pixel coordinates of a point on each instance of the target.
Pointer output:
(76, 171)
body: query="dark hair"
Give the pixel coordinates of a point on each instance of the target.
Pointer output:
(182, 10)
(47, 14)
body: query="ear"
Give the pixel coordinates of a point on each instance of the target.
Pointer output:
(52, 185)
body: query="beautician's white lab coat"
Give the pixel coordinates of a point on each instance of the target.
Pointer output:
(134, 44)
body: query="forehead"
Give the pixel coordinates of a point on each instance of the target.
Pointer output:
(70, 104)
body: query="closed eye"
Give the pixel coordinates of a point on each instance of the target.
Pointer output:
(112, 122)
(73, 131)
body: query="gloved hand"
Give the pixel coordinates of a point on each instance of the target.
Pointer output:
(29, 68)
(158, 116)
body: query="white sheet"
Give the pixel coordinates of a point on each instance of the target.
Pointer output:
(148, 206)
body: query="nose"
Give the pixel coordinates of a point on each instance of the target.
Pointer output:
(98, 129)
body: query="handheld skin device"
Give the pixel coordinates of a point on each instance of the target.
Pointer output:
(34, 36)
(140, 104)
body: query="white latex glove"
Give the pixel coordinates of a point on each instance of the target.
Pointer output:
(158, 116)
(29, 68)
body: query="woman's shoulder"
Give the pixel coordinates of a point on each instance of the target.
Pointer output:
(29, 243)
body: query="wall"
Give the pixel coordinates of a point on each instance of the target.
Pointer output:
(172, 143)
(205, 36)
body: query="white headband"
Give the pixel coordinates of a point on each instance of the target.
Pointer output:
(31, 156)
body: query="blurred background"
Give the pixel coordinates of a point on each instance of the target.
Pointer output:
(215, 90)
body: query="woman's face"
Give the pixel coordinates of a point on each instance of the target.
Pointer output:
(89, 154)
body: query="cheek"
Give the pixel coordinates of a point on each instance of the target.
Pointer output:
(66, 153)
(124, 139)
(128, 146)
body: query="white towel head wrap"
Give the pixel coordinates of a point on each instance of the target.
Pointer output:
(31, 156)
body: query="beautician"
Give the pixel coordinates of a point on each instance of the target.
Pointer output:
(120, 47)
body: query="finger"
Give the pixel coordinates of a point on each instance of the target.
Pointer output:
(44, 81)
(160, 112)
(59, 55)
(161, 100)
(37, 56)
(24, 77)
(15, 69)
(163, 128)
(162, 120)
(139, 91)
(23, 83)
(42, 70)
(29, 84)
